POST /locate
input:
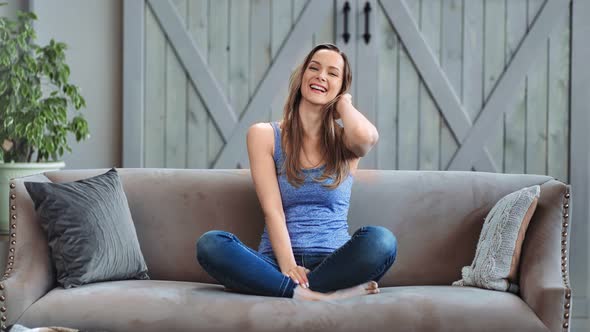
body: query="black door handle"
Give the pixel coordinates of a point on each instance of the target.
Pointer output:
(367, 34)
(346, 34)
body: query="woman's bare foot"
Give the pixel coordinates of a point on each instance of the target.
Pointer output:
(370, 287)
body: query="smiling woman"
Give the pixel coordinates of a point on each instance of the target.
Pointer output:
(303, 169)
(311, 135)
(321, 76)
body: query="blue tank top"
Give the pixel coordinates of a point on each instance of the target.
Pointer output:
(316, 216)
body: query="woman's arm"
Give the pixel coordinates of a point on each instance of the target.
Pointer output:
(260, 141)
(360, 135)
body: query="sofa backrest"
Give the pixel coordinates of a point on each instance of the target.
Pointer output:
(436, 216)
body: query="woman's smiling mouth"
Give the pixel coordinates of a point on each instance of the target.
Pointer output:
(316, 88)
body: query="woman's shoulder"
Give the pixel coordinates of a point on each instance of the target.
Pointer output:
(261, 134)
(261, 127)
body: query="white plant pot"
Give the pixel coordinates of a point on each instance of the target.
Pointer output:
(10, 171)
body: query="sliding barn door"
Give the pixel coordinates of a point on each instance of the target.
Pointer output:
(451, 85)
(463, 85)
(212, 68)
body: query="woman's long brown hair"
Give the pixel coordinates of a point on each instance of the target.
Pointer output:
(336, 155)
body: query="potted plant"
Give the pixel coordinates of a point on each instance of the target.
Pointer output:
(35, 98)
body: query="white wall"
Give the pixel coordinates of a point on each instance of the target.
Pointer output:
(93, 31)
(9, 10)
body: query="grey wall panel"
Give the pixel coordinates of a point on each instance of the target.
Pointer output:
(579, 166)
(199, 124)
(93, 31)
(515, 125)
(133, 83)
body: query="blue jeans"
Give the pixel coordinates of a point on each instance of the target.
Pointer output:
(366, 256)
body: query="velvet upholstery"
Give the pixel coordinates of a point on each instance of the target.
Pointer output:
(187, 306)
(92, 212)
(436, 217)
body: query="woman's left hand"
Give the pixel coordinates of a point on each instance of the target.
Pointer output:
(343, 101)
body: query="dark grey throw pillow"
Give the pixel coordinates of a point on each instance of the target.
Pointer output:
(89, 229)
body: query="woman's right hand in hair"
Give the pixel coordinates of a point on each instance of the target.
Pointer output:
(299, 275)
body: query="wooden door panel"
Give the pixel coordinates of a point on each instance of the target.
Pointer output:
(469, 48)
(238, 50)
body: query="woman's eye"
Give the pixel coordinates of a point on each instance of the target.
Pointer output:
(333, 74)
(313, 68)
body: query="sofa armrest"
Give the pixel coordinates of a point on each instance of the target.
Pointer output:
(544, 280)
(29, 273)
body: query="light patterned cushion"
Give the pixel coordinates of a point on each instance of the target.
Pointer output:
(496, 261)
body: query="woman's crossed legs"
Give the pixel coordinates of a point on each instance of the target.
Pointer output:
(351, 270)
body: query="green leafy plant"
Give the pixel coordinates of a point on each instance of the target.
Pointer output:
(35, 95)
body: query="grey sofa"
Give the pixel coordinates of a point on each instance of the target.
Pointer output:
(436, 217)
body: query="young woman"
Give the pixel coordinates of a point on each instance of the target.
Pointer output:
(303, 169)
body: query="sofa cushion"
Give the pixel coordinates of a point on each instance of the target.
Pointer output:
(436, 216)
(497, 256)
(149, 305)
(89, 229)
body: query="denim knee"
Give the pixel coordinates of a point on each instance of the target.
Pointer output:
(209, 243)
(383, 239)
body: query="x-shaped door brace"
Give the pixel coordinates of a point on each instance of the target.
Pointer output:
(472, 136)
(232, 130)
(195, 65)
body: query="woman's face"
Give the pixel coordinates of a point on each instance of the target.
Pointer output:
(322, 79)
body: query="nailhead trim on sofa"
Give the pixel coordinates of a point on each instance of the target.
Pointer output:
(11, 251)
(564, 267)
